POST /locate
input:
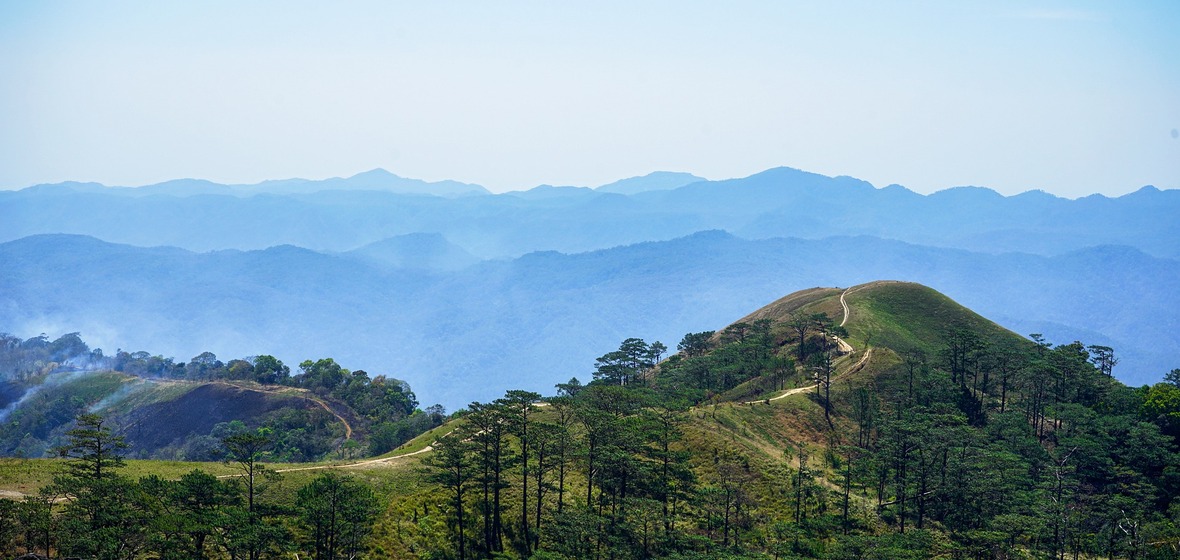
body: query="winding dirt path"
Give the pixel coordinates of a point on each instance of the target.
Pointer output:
(300, 393)
(347, 426)
(842, 345)
(364, 463)
(844, 304)
(855, 368)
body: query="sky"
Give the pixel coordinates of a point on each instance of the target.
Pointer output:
(1072, 98)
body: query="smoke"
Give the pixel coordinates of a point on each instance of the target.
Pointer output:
(114, 398)
(51, 381)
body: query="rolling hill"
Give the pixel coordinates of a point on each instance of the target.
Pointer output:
(161, 418)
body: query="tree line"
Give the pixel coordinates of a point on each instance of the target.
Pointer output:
(602, 470)
(92, 510)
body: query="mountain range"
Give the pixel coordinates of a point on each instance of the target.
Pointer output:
(345, 214)
(446, 285)
(544, 317)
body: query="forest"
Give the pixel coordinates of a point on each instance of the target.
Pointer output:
(982, 450)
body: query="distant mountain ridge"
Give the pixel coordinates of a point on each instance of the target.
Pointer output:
(544, 317)
(343, 214)
(437, 282)
(418, 251)
(655, 181)
(372, 180)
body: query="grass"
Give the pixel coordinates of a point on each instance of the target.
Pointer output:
(905, 316)
(145, 391)
(804, 300)
(92, 387)
(426, 438)
(27, 476)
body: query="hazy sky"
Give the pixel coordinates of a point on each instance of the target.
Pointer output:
(1069, 97)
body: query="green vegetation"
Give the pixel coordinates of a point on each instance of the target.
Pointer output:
(94, 509)
(943, 436)
(182, 411)
(936, 434)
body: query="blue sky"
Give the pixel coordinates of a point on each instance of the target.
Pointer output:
(1069, 97)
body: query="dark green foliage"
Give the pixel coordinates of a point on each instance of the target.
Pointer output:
(268, 369)
(387, 436)
(621, 440)
(321, 374)
(104, 519)
(451, 466)
(186, 515)
(336, 513)
(695, 344)
(630, 363)
(254, 531)
(302, 434)
(750, 356)
(9, 524)
(1065, 464)
(914, 545)
(93, 511)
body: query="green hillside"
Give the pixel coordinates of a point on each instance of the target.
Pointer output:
(166, 409)
(878, 421)
(157, 417)
(903, 316)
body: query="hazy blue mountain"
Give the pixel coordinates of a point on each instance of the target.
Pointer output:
(342, 214)
(542, 318)
(415, 251)
(543, 192)
(487, 226)
(657, 181)
(373, 180)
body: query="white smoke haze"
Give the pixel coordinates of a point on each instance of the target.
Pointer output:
(96, 334)
(50, 381)
(129, 386)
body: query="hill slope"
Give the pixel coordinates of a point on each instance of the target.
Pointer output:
(165, 418)
(912, 453)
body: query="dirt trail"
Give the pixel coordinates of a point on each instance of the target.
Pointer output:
(16, 495)
(347, 426)
(843, 346)
(844, 304)
(302, 393)
(364, 463)
(855, 368)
